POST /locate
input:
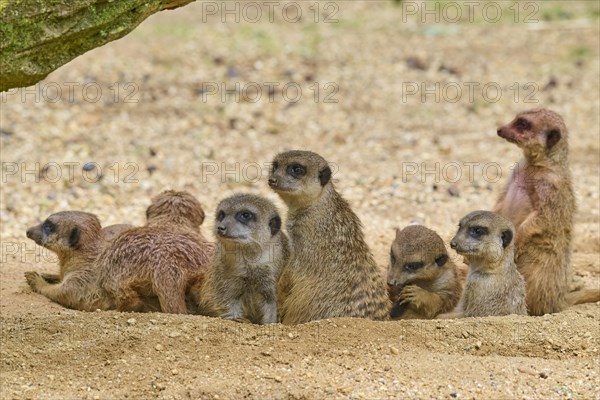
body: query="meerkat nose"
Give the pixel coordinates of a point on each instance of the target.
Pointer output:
(453, 244)
(29, 233)
(272, 181)
(221, 229)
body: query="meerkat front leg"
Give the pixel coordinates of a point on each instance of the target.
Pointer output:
(425, 301)
(55, 292)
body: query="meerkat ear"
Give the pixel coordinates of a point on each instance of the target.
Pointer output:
(325, 175)
(275, 224)
(398, 232)
(74, 237)
(552, 137)
(441, 260)
(507, 237)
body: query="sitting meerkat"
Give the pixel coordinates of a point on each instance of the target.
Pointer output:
(251, 251)
(422, 280)
(76, 237)
(165, 259)
(331, 272)
(494, 286)
(540, 202)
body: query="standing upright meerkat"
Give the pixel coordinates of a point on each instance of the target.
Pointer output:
(76, 237)
(166, 259)
(251, 251)
(494, 286)
(331, 271)
(539, 201)
(423, 282)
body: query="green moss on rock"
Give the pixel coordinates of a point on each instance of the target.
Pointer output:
(37, 36)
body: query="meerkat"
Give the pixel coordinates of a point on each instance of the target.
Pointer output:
(540, 202)
(494, 285)
(423, 282)
(331, 271)
(166, 259)
(251, 251)
(76, 238)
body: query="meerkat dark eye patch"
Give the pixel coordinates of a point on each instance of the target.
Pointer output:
(507, 237)
(552, 137)
(245, 217)
(220, 215)
(275, 224)
(296, 170)
(478, 231)
(48, 227)
(74, 237)
(521, 124)
(413, 266)
(324, 175)
(441, 260)
(392, 259)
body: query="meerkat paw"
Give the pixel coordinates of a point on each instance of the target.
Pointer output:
(34, 280)
(412, 294)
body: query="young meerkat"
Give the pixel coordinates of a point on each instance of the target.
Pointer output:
(539, 201)
(166, 259)
(331, 271)
(76, 237)
(422, 280)
(251, 251)
(494, 286)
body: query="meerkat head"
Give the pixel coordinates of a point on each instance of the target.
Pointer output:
(247, 219)
(417, 254)
(180, 208)
(541, 133)
(299, 177)
(66, 231)
(485, 238)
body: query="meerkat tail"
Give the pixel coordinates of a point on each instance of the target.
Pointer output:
(583, 296)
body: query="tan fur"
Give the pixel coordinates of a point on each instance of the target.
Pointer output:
(76, 238)
(423, 282)
(167, 258)
(331, 272)
(241, 283)
(539, 201)
(494, 286)
(109, 233)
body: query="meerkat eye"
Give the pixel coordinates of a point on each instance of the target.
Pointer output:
(220, 215)
(413, 266)
(296, 170)
(478, 231)
(392, 258)
(245, 216)
(48, 227)
(522, 124)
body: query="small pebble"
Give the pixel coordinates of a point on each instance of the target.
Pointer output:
(131, 321)
(159, 347)
(394, 350)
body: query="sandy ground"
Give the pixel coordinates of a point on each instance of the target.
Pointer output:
(144, 109)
